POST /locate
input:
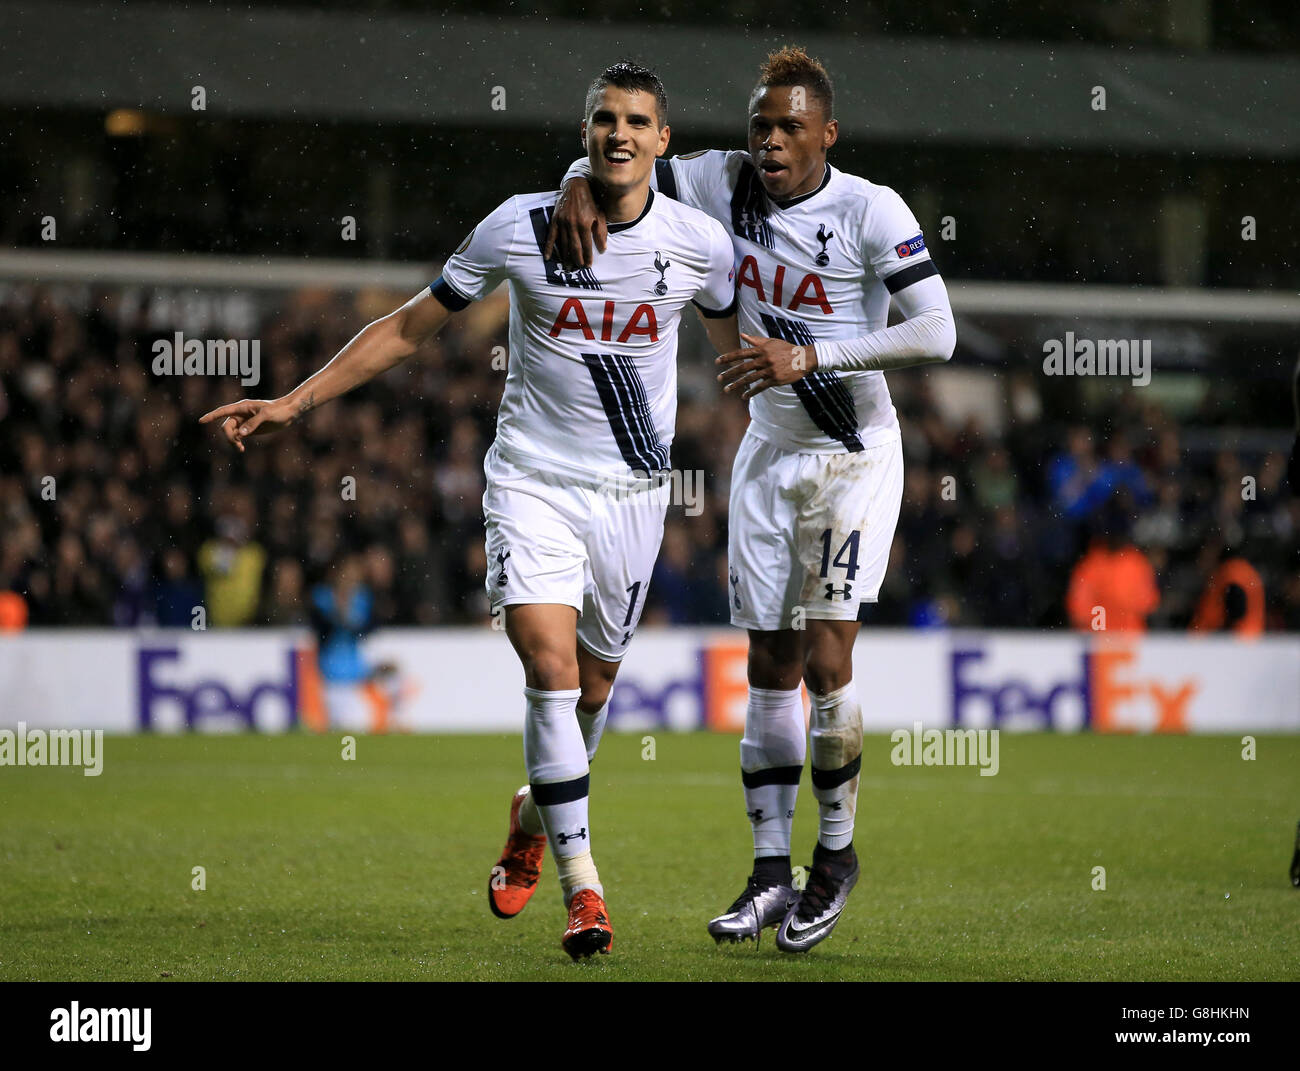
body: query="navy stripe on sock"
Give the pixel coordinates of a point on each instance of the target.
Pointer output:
(773, 775)
(835, 778)
(561, 791)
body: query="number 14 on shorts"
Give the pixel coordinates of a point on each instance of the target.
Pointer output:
(846, 558)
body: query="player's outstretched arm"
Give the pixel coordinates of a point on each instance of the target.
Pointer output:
(379, 346)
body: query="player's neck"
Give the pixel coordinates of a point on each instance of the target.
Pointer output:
(623, 205)
(812, 183)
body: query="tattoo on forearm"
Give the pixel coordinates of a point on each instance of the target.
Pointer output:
(305, 406)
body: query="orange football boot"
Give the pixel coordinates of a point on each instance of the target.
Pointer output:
(514, 878)
(589, 928)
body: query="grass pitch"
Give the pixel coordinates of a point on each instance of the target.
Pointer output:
(320, 868)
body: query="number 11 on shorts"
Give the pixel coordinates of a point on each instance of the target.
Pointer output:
(634, 591)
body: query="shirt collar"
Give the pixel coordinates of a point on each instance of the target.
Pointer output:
(614, 228)
(804, 196)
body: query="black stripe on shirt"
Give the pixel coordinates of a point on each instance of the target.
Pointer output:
(825, 398)
(623, 397)
(749, 208)
(666, 179)
(555, 273)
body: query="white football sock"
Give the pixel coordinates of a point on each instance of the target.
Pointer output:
(578, 872)
(592, 726)
(771, 761)
(555, 755)
(836, 763)
(529, 820)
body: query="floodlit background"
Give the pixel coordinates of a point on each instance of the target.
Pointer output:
(282, 174)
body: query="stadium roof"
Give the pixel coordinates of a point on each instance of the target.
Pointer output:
(407, 68)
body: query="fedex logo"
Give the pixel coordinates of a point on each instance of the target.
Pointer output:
(1108, 693)
(573, 317)
(985, 699)
(170, 699)
(1125, 700)
(810, 290)
(644, 702)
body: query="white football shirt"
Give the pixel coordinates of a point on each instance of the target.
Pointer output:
(591, 386)
(821, 266)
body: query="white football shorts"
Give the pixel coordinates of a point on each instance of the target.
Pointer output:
(809, 532)
(554, 539)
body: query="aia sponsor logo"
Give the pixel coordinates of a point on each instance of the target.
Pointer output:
(573, 316)
(810, 291)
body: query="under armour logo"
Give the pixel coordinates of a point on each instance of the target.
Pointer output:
(626, 636)
(735, 584)
(755, 815)
(832, 592)
(823, 235)
(564, 838)
(835, 806)
(661, 266)
(502, 580)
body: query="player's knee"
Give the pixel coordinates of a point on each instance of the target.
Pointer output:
(827, 670)
(596, 682)
(595, 694)
(550, 670)
(779, 674)
(774, 660)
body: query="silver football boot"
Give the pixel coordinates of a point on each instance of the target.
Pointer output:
(759, 906)
(812, 919)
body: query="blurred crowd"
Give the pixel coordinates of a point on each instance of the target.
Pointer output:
(118, 508)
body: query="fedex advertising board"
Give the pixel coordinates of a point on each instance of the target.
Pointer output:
(468, 680)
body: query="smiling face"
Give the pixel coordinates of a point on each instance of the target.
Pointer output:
(788, 138)
(623, 137)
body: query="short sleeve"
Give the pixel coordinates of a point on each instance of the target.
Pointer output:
(478, 266)
(893, 243)
(694, 178)
(717, 296)
(580, 168)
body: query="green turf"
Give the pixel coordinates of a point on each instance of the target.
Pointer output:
(319, 868)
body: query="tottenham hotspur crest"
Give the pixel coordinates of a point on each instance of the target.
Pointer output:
(661, 266)
(823, 235)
